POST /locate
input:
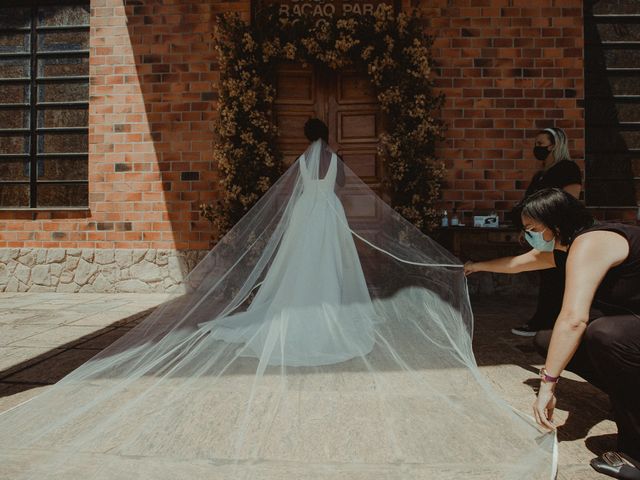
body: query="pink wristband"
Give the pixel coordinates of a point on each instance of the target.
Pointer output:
(545, 377)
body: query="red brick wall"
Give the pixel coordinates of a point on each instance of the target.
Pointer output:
(152, 106)
(508, 69)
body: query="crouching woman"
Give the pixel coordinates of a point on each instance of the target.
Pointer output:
(602, 268)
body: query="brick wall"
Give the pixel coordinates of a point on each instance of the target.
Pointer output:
(508, 69)
(152, 106)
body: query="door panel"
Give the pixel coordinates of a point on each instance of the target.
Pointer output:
(295, 87)
(360, 126)
(297, 100)
(354, 87)
(364, 163)
(356, 120)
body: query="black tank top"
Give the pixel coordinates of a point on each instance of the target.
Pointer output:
(619, 291)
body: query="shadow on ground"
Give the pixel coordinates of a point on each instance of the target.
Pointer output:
(51, 366)
(494, 346)
(586, 406)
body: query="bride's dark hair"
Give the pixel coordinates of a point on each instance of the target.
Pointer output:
(315, 129)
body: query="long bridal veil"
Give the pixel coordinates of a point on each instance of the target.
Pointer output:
(324, 337)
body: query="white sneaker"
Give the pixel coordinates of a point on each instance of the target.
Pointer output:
(524, 331)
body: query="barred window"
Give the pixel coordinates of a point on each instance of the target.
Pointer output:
(612, 103)
(44, 100)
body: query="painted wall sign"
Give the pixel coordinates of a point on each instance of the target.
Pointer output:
(323, 9)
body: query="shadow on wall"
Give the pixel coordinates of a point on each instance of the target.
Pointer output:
(177, 73)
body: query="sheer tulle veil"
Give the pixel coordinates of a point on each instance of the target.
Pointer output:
(324, 337)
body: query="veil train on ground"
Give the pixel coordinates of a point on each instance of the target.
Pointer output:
(324, 337)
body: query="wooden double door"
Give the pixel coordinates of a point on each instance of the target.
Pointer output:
(345, 100)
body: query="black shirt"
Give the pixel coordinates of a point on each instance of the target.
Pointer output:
(619, 291)
(561, 174)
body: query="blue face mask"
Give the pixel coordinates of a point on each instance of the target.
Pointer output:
(537, 241)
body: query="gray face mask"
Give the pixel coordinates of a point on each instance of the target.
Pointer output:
(537, 241)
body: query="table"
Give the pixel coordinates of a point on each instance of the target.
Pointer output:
(481, 243)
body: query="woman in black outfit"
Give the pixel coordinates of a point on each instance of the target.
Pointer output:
(559, 171)
(602, 266)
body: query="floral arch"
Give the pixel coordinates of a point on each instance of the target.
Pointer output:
(395, 52)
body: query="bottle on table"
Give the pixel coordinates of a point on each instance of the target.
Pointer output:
(454, 219)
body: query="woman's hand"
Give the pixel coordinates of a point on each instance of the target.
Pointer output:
(470, 267)
(544, 405)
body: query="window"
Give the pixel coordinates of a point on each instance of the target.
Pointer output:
(612, 103)
(44, 100)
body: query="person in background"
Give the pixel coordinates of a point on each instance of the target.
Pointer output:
(559, 171)
(601, 263)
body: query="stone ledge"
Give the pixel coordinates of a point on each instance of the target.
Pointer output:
(95, 270)
(155, 271)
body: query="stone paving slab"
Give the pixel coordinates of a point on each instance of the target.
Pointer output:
(14, 394)
(511, 364)
(10, 357)
(44, 336)
(55, 336)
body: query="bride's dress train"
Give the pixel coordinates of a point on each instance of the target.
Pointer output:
(291, 355)
(313, 306)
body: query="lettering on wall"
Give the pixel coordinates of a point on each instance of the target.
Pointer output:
(323, 9)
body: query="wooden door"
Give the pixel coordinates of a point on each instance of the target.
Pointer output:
(345, 100)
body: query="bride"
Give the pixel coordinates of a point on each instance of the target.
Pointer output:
(323, 337)
(313, 306)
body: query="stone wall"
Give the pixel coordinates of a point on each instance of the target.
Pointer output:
(155, 271)
(89, 270)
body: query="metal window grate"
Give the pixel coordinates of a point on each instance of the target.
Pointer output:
(44, 101)
(612, 103)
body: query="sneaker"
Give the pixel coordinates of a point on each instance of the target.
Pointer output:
(524, 331)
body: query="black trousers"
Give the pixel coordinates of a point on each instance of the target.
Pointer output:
(609, 358)
(550, 296)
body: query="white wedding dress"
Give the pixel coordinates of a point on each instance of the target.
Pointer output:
(313, 306)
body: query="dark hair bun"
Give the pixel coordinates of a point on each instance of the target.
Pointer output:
(315, 129)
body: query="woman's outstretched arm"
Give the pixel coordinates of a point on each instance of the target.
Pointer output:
(532, 260)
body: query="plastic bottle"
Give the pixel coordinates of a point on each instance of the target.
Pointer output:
(445, 219)
(496, 222)
(454, 219)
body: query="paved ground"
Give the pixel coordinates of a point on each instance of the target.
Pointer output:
(45, 336)
(511, 363)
